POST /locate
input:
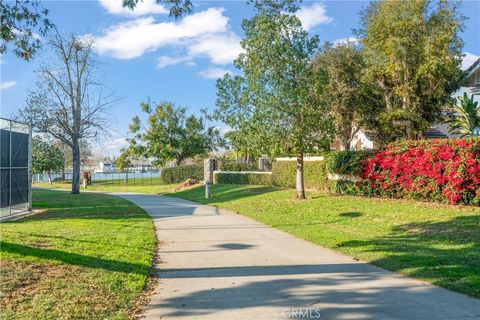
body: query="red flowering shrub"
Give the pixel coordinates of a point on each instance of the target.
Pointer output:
(446, 170)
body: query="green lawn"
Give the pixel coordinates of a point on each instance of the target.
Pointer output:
(148, 186)
(436, 243)
(86, 256)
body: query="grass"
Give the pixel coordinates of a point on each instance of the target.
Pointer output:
(153, 185)
(85, 256)
(436, 243)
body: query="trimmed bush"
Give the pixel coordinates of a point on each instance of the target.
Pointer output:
(182, 173)
(349, 163)
(254, 178)
(284, 173)
(446, 170)
(233, 166)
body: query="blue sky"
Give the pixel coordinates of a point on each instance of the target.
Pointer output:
(147, 54)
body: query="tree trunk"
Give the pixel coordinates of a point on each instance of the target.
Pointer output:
(344, 145)
(76, 168)
(62, 175)
(300, 185)
(126, 175)
(49, 178)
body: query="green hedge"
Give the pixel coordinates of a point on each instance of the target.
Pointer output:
(343, 163)
(347, 162)
(284, 173)
(255, 178)
(182, 173)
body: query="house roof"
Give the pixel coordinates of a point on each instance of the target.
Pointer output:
(473, 68)
(433, 133)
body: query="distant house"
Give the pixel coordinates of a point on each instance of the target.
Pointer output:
(472, 79)
(107, 167)
(141, 165)
(471, 86)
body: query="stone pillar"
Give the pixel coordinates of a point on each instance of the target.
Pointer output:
(209, 165)
(263, 163)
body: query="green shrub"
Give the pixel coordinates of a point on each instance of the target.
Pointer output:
(343, 186)
(182, 173)
(254, 178)
(284, 173)
(234, 166)
(347, 162)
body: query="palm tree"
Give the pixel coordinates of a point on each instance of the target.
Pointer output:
(466, 120)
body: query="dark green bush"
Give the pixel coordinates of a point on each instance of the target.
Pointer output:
(233, 166)
(254, 178)
(284, 173)
(347, 162)
(182, 173)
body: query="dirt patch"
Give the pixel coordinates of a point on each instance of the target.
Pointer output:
(186, 184)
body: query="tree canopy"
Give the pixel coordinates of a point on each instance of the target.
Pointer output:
(23, 24)
(46, 158)
(413, 54)
(171, 134)
(177, 8)
(354, 103)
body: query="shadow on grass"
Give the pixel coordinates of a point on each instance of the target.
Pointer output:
(74, 258)
(446, 253)
(223, 193)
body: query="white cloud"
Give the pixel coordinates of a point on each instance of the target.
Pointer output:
(143, 7)
(165, 61)
(468, 60)
(213, 73)
(205, 34)
(345, 41)
(115, 144)
(7, 84)
(313, 15)
(220, 48)
(133, 38)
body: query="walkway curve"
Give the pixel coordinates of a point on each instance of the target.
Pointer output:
(219, 265)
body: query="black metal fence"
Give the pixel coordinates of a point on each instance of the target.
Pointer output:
(245, 165)
(15, 167)
(106, 178)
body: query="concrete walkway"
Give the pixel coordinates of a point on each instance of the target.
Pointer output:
(220, 265)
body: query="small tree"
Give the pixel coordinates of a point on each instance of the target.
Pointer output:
(124, 162)
(171, 134)
(20, 20)
(466, 118)
(46, 158)
(279, 91)
(354, 103)
(69, 103)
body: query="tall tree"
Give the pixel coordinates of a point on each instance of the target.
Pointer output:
(465, 120)
(280, 91)
(354, 102)
(46, 158)
(69, 103)
(171, 134)
(413, 52)
(21, 19)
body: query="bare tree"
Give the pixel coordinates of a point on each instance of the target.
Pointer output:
(69, 103)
